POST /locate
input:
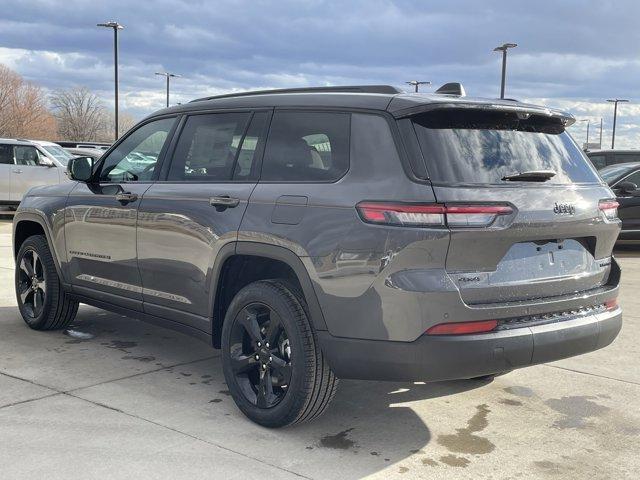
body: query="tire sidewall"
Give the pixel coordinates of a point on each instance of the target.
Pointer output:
(285, 412)
(34, 243)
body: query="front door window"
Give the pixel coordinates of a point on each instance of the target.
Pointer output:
(135, 158)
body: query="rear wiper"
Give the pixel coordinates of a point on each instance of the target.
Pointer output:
(530, 176)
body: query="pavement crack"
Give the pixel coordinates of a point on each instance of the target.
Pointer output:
(592, 374)
(139, 374)
(13, 404)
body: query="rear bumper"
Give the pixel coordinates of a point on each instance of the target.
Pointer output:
(435, 358)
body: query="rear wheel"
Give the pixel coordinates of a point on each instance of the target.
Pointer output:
(42, 302)
(272, 363)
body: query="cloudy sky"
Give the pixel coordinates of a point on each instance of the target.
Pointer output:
(572, 54)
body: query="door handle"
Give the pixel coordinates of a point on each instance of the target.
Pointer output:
(17, 171)
(126, 197)
(223, 201)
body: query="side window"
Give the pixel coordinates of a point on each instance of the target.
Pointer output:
(599, 161)
(26, 155)
(208, 147)
(135, 158)
(6, 154)
(307, 147)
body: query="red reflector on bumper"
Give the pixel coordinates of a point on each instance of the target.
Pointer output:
(462, 328)
(611, 304)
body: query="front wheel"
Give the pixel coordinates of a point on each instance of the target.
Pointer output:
(272, 363)
(43, 303)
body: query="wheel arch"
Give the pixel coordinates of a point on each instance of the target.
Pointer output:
(27, 224)
(230, 274)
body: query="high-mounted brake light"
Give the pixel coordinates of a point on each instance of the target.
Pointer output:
(609, 208)
(430, 215)
(463, 328)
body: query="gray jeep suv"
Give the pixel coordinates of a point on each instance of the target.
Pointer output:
(339, 232)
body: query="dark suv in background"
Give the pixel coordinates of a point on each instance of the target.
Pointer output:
(352, 232)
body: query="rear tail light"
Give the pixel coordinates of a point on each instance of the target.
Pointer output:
(611, 304)
(430, 215)
(463, 328)
(609, 208)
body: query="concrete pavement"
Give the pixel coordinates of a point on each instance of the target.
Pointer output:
(116, 398)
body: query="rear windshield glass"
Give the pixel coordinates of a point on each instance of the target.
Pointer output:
(467, 146)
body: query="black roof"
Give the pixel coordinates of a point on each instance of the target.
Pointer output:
(371, 97)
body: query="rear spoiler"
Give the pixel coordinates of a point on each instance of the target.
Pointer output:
(566, 118)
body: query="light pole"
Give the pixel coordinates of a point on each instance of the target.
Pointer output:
(168, 75)
(615, 102)
(600, 147)
(417, 83)
(116, 26)
(586, 145)
(503, 48)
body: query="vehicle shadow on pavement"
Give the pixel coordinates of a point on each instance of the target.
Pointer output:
(161, 376)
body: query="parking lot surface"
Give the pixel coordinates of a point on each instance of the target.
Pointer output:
(113, 397)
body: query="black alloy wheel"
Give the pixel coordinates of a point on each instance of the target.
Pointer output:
(32, 283)
(43, 302)
(260, 355)
(273, 365)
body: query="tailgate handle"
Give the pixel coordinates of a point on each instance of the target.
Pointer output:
(223, 202)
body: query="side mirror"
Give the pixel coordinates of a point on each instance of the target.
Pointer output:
(628, 188)
(80, 169)
(45, 162)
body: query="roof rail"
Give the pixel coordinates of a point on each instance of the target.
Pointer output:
(384, 89)
(452, 88)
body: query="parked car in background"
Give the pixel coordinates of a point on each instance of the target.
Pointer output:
(624, 180)
(603, 158)
(96, 145)
(29, 163)
(94, 153)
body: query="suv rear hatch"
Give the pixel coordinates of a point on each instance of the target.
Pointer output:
(556, 233)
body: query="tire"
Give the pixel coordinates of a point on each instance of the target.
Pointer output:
(42, 302)
(284, 382)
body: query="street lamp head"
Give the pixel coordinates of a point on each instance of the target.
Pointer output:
(417, 82)
(617, 100)
(114, 25)
(167, 74)
(504, 47)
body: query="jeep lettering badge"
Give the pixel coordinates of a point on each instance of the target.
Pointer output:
(564, 209)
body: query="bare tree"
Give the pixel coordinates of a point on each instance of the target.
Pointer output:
(80, 114)
(125, 122)
(23, 108)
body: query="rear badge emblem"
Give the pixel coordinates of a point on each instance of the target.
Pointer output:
(564, 209)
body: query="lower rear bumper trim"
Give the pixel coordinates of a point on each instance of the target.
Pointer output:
(437, 358)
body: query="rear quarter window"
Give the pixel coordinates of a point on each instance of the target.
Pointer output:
(480, 147)
(307, 147)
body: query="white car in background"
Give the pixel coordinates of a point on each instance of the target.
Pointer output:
(29, 163)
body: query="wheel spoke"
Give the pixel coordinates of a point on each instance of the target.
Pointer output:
(250, 324)
(26, 267)
(265, 396)
(37, 302)
(273, 329)
(37, 265)
(243, 363)
(282, 368)
(25, 290)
